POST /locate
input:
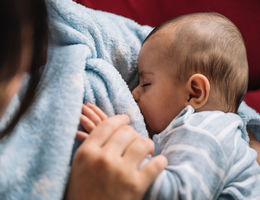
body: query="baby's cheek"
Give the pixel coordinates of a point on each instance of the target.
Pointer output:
(153, 124)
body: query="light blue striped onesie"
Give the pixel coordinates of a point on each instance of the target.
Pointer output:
(207, 159)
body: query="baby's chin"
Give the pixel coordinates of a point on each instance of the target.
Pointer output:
(150, 131)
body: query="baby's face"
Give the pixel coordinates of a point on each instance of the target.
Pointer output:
(158, 95)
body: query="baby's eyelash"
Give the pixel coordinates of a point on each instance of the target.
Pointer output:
(145, 84)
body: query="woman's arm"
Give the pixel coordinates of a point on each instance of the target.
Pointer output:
(105, 166)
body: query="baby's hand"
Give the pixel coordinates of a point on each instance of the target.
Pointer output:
(90, 118)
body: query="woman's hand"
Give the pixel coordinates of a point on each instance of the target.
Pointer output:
(106, 165)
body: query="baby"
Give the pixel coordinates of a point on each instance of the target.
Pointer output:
(193, 75)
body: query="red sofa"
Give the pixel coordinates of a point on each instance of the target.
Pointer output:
(245, 14)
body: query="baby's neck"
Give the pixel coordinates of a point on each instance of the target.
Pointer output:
(211, 107)
(215, 102)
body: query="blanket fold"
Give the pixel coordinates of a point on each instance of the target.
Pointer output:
(113, 44)
(34, 159)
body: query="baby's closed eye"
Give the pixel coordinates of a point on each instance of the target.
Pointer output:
(145, 84)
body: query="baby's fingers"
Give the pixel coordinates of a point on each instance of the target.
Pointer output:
(86, 123)
(97, 110)
(81, 136)
(91, 114)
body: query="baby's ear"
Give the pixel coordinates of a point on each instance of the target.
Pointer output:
(198, 88)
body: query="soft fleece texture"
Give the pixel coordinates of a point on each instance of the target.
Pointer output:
(92, 55)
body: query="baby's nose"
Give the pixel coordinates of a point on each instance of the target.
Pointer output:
(135, 94)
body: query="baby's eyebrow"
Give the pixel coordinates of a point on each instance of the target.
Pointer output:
(142, 73)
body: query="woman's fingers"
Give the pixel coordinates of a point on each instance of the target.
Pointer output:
(120, 140)
(106, 129)
(113, 175)
(152, 169)
(138, 150)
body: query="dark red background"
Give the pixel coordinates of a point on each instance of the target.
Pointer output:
(244, 13)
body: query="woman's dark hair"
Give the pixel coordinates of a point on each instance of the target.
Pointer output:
(14, 16)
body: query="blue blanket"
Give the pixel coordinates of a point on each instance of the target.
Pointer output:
(92, 58)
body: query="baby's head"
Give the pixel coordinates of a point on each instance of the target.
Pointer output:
(197, 59)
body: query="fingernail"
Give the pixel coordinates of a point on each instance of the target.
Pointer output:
(125, 116)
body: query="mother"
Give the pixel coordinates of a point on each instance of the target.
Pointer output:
(113, 151)
(23, 40)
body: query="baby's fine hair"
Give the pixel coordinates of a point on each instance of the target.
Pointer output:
(210, 44)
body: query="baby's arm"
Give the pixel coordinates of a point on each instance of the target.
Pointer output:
(91, 116)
